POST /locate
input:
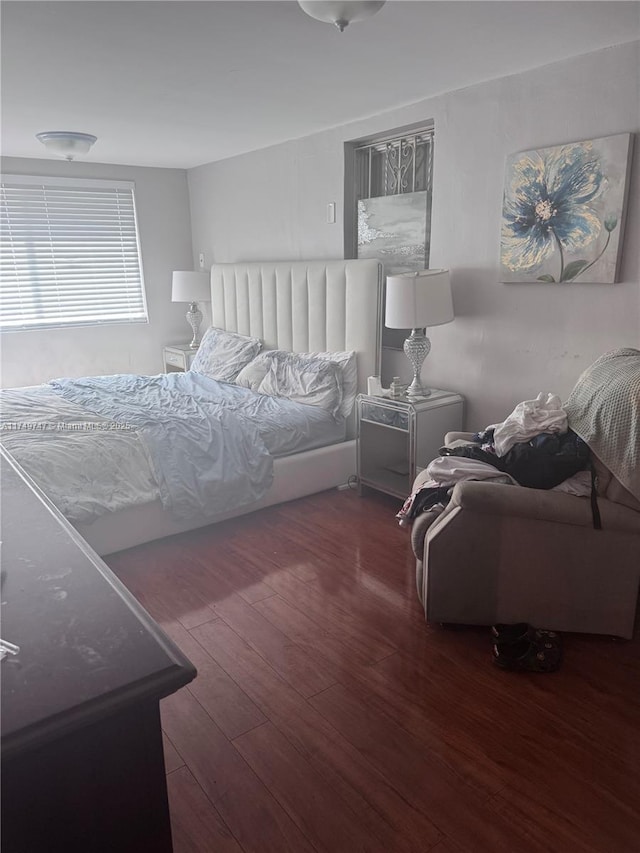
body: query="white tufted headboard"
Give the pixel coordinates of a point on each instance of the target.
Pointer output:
(304, 306)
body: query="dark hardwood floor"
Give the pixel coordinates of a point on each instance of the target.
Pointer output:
(327, 716)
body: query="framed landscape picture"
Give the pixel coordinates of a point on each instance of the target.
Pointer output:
(563, 212)
(393, 228)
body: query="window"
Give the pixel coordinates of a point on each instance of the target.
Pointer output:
(69, 253)
(402, 164)
(388, 181)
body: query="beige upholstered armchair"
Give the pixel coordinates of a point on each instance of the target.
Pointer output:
(505, 554)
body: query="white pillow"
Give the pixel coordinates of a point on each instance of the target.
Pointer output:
(253, 373)
(313, 381)
(348, 362)
(222, 354)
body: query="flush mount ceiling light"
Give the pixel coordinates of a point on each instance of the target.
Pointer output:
(340, 14)
(67, 143)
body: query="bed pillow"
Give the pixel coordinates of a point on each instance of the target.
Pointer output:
(222, 354)
(253, 373)
(348, 362)
(303, 379)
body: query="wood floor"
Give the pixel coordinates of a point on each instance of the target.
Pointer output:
(326, 716)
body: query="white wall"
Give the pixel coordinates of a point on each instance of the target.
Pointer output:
(162, 206)
(508, 341)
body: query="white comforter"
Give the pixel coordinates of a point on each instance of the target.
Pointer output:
(200, 446)
(85, 465)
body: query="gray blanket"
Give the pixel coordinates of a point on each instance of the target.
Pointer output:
(604, 410)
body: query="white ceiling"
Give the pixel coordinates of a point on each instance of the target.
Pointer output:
(184, 83)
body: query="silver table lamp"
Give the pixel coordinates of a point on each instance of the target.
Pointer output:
(415, 300)
(191, 287)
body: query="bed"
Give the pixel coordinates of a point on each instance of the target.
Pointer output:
(300, 307)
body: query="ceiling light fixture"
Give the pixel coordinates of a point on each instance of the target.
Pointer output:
(67, 143)
(341, 14)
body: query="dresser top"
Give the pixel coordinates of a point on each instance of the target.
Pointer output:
(435, 399)
(87, 647)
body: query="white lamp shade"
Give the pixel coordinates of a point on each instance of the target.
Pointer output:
(188, 286)
(418, 299)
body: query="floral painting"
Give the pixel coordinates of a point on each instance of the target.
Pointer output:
(563, 212)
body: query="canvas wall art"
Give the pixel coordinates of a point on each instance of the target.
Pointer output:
(393, 228)
(563, 212)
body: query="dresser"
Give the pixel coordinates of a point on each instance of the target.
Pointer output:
(82, 762)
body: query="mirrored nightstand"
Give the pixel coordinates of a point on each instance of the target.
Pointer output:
(398, 437)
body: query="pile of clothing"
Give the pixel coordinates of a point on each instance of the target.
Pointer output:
(533, 447)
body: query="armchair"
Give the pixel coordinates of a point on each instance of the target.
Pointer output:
(503, 553)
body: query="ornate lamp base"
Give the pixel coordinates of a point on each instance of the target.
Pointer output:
(416, 348)
(194, 318)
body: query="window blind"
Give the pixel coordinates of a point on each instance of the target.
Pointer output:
(69, 253)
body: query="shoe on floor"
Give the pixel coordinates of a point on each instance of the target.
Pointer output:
(511, 633)
(540, 652)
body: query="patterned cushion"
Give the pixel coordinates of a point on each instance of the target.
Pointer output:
(222, 355)
(313, 381)
(348, 363)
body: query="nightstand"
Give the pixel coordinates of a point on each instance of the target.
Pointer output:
(177, 358)
(396, 438)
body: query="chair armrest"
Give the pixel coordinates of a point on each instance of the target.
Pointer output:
(422, 477)
(419, 529)
(450, 437)
(540, 505)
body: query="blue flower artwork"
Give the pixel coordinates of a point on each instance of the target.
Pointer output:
(563, 212)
